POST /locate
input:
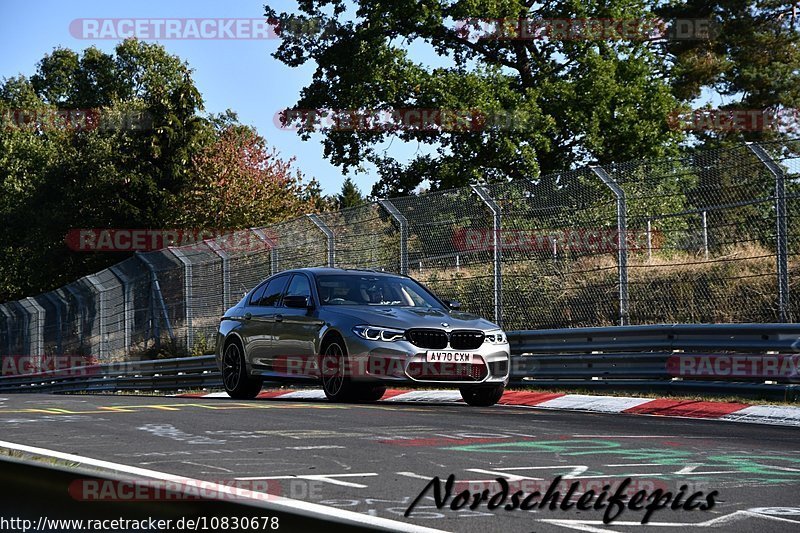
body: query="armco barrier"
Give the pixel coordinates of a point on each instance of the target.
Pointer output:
(735, 359)
(157, 375)
(658, 358)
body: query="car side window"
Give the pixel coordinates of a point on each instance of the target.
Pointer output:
(299, 286)
(257, 294)
(273, 292)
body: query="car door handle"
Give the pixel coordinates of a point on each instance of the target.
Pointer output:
(248, 316)
(278, 318)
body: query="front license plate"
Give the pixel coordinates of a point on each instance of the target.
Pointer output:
(449, 357)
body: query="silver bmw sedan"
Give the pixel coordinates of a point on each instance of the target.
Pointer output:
(355, 332)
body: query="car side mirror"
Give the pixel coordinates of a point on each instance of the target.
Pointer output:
(297, 302)
(455, 305)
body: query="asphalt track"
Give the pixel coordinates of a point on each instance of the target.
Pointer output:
(375, 459)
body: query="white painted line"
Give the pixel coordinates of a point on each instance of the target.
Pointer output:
(578, 525)
(427, 396)
(576, 471)
(313, 394)
(325, 478)
(278, 503)
(600, 404)
(766, 414)
(428, 478)
(216, 395)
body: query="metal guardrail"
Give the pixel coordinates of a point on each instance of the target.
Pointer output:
(157, 375)
(651, 358)
(609, 358)
(673, 337)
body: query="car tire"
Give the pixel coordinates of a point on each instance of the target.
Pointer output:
(482, 396)
(336, 384)
(368, 393)
(237, 383)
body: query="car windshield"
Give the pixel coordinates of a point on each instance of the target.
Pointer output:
(375, 290)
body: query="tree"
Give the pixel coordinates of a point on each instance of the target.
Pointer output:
(350, 195)
(750, 61)
(532, 106)
(751, 58)
(240, 183)
(132, 151)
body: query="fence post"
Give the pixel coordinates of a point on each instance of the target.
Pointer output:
(37, 337)
(497, 249)
(187, 295)
(649, 238)
(226, 273)
(330, 238)
(102, 314)
(155, 295)
(705, 234)
(622, 241)
(80, 312)
(403, 224)
(782, 248)
(59, 321)
(127, 303)
(273, 249)
(8, 319)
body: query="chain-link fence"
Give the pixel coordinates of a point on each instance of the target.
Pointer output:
(709, 237)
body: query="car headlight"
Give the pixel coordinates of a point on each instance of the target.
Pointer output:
(495, 337)
(377, 333)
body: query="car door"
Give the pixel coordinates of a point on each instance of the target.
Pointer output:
(259, 320)
(294, 332)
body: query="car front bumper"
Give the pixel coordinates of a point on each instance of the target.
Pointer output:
(401, 361)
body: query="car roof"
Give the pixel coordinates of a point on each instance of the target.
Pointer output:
(333, 270)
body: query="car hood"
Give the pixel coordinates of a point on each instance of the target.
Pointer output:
(410, 317)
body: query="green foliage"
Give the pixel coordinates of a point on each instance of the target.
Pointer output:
(202, 345)
(238, 182)
(350, 195)
(560, 103)
(136, 153)
(751, 59)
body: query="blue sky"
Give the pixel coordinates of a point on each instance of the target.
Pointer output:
(236, 74)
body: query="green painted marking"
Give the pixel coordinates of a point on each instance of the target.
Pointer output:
(750, 464)
(563, 447)
(766, 469)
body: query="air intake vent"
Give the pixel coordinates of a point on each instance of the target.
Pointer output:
(432, 339)
(466, 339)
(422, 371)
